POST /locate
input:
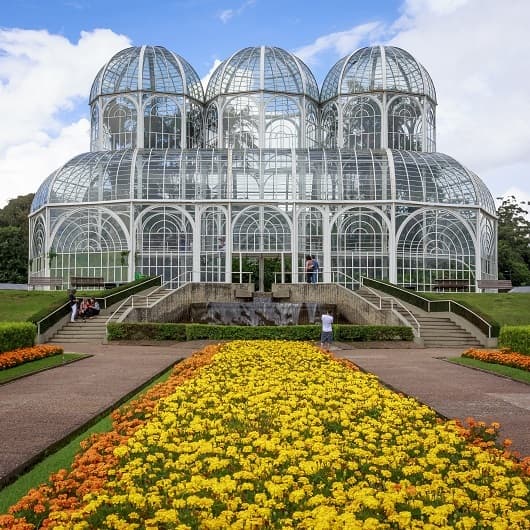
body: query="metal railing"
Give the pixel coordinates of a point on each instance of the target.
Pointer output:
(55, 316)
(340, 277)
(392, 301)
(435, 306)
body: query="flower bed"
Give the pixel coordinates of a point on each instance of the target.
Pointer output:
(278, 435)
(24, 355)
(506, 357)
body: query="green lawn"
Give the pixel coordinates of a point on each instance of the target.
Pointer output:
(505, 308)
(513, 373)
(9, 374)
(21, 305)
(62, 458)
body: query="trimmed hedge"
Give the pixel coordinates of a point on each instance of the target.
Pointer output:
(181, 332)
(349, 333)
(14, 335)
(517, 338)
(146, 331)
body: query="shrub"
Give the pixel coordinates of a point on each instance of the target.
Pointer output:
(206, 331)
(14, 335)
(181, 332)
(517, 338)
(146, 331)
(350, 333)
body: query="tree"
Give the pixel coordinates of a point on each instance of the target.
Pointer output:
(14, 226)
(514, 242)
(13, 255)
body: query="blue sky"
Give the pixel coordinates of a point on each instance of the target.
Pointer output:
(475, 50)
(201, 30)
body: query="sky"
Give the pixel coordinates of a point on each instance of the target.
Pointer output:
(476, 52)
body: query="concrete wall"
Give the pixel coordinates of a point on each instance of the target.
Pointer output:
(175, 306)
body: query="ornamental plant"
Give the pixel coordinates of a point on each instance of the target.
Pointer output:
(276, 434)
(24, 355)
(503, 356)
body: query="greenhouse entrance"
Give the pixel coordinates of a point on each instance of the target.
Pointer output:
(261, 269)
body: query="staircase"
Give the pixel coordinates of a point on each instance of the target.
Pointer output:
(435, 330)
(95, 329)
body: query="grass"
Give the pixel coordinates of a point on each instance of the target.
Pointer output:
(508, 309)
(500, 369)
(10, 374)
(62, 458)
(20, 305)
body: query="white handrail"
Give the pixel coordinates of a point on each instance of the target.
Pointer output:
(119, 307)
(400, 304)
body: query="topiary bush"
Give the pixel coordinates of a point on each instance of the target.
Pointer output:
(517, 338)
(15, 335)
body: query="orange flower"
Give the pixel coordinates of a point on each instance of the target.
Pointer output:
(507, 358)
(24, 355)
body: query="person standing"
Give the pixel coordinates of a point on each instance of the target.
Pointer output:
(308, 269)
(316, 268)
(326, 335)
(73, 305)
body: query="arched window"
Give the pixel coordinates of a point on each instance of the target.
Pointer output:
(212, 126)
(311, 122)
(431, 129)
(405, 124)
(193, 126)
(434, 245)
(119, 124)
(359, 243)
(282, 123)
(94, 128)
(330, 126)
(241, 123)
(362, 124)
(162, 123)
(261, 229)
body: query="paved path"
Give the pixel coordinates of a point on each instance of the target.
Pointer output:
(40, 410)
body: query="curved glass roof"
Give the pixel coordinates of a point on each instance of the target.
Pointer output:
(377, 68)
(147, 68)
(344, 175)
(262, 68)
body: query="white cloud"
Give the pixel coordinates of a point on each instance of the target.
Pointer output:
(24, 166)
(226, 14)
(340, 42)
(476, 52)
(43, 77)
(206, 78)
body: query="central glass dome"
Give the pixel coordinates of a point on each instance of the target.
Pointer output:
(262, 97)
(262, 68)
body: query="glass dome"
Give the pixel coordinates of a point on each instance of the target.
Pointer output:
(148, 69)
(375, 69)
(427, 178)
(264, 68)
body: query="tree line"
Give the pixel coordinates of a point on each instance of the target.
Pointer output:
(514, 241)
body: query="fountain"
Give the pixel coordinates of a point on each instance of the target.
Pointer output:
(261, 311)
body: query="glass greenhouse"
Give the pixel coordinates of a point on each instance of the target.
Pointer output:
(261, 170)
